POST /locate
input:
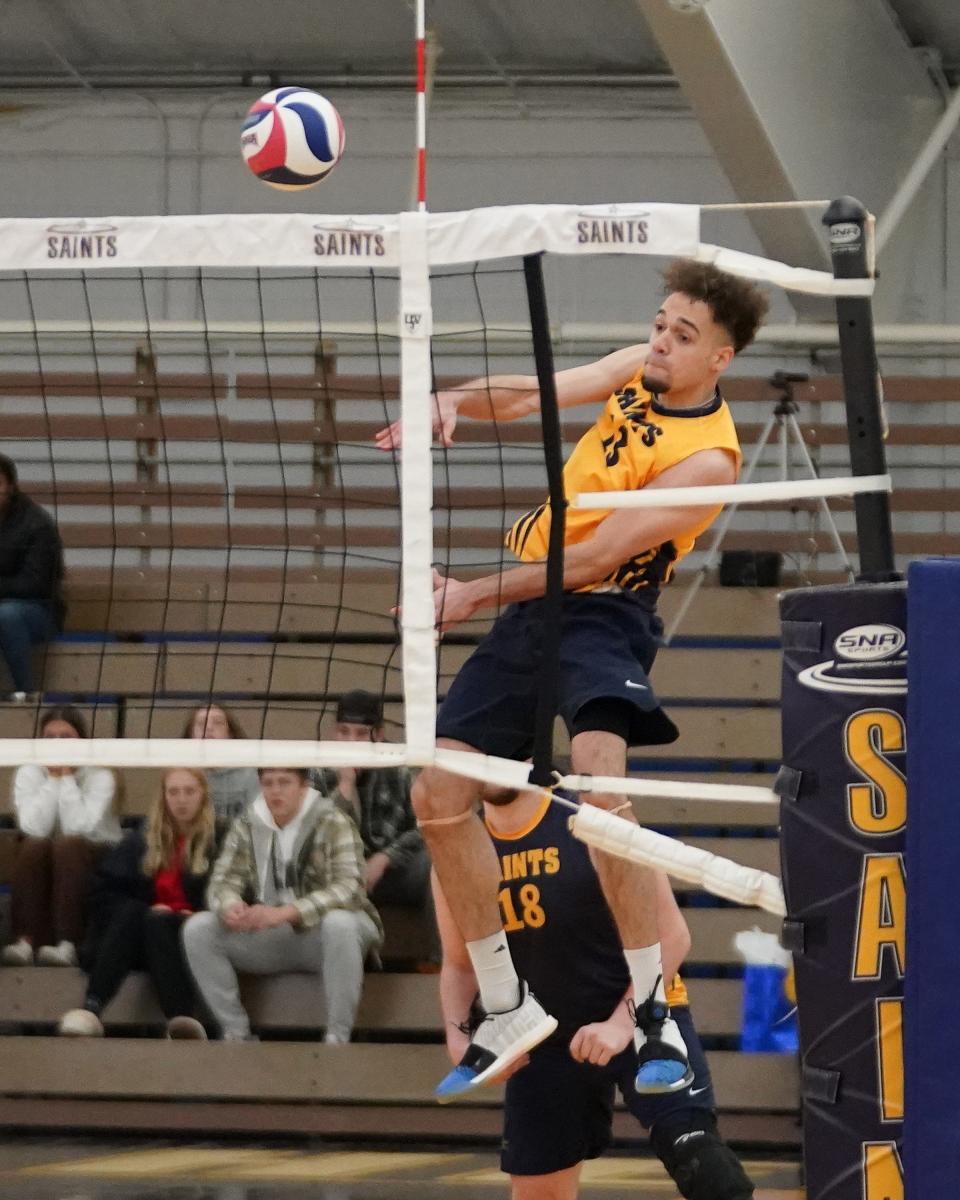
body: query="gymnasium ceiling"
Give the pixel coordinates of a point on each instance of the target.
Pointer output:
(505, 44)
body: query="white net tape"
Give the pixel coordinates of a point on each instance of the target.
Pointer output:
(737, 493)
(670, 789)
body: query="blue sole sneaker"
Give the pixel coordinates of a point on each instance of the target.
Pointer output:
(499, 1040)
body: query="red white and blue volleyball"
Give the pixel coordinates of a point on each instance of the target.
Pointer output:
(292, 138)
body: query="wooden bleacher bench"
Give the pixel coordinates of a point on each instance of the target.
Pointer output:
(381, 1082)
(160, 517)
(400, 1005)
(362, 1090)
(724, 692)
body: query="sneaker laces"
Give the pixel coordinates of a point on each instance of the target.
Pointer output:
(475, 1018)
(651, 1014)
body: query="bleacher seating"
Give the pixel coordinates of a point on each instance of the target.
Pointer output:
(138, 640)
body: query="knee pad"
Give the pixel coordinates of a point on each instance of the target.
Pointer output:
(700, 1163)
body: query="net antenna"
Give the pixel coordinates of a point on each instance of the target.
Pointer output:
(426, 60)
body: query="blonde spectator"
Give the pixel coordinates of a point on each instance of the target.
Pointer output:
(67, 819)
(143, 891)
(231, 788)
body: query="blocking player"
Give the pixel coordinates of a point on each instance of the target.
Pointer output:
(559, 1101)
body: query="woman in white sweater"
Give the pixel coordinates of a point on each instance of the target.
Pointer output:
(66, 817)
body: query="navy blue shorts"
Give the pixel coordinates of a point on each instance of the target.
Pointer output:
(607, 646)
(558, 1112)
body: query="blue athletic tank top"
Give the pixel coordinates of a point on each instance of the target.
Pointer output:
(561, 933)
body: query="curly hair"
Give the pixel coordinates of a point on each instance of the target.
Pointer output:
(737, 305)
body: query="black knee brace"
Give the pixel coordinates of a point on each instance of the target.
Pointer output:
(701, 1165)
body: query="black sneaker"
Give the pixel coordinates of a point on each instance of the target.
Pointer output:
(662, 1063)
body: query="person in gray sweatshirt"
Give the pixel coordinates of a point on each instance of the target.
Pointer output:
(286, 894)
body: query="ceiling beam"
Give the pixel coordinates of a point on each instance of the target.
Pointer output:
(808, 100)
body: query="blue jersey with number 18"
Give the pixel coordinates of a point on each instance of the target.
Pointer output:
(562, 936)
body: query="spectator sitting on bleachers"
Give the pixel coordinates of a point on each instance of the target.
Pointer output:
(397, 869)
(31, 576)
(67, 820)
(231, 788)
(143, 891)
(286, 894)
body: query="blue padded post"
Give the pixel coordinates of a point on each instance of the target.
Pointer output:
(843, 813)
(931, 1019)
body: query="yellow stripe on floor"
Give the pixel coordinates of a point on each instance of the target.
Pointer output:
(160, 1162)
(655, 1186)
(343, 1166)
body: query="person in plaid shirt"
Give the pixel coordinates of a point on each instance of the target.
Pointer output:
(286, 894)
(397, 867)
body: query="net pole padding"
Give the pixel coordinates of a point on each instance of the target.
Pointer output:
(548, 691)
(735, 493)
(843, 814)
(417, 619)
(720, 876)
(931, 1033)
(847, 224)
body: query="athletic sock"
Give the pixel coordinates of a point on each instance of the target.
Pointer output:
(496, 975)
(646, 972)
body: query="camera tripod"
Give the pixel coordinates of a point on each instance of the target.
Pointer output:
(783, 419)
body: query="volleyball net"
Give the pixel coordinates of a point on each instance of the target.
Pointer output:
(234, 535)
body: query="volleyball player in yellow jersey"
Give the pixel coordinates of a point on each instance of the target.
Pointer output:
(663, 424)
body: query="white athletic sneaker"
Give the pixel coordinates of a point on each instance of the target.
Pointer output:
(662, 1062)
(185, 1029)
(80, 1022)
(62, 955)
(499, 1039)
(18, 954)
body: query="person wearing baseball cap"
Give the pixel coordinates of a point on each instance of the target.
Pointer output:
(378, 800)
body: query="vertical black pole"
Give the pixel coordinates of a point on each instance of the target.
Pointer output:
(846, 221)
(549, 675)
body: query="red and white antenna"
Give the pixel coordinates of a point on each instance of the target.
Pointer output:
(421, 108)
(421, 169)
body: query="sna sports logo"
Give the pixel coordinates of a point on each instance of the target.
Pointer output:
(870, 659)
(869, 643)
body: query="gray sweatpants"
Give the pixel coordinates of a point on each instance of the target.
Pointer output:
(335, 949)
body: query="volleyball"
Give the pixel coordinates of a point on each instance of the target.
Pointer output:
(292, 138)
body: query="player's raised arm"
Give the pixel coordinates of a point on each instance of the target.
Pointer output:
(508, 397)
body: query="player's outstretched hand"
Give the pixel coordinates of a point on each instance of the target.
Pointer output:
(453, 601)
(602, 1040)
(445, 405)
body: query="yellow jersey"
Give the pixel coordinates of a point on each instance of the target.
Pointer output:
(634, 440)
